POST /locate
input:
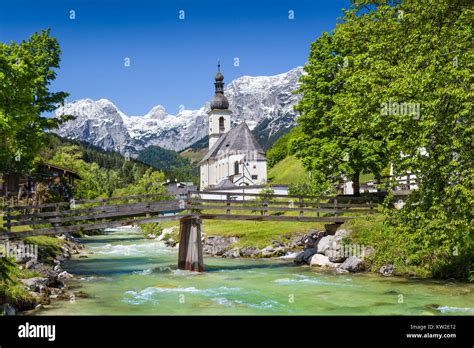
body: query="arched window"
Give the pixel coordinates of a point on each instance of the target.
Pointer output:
(236, 167)
(221, 124)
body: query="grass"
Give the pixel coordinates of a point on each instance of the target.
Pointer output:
(290, 170)
(11, 289)
(257, 233)
(194, 156)
(372, 231)
(261, 233)
(250, 233)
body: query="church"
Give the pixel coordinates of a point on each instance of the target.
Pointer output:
(234, 159)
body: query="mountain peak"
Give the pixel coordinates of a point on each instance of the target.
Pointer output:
(264, 102)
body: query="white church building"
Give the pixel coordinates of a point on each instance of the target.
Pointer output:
(235, 159)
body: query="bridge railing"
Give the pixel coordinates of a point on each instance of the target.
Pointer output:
(253, 206)
(55, 218)
(83, 215)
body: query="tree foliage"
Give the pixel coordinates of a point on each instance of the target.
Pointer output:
(26, 71)
(170, 162)
(383, 54)
(282, 147)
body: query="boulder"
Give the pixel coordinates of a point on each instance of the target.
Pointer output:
(352, 264)
(324, 244)
(8, 309)
(340, 270)
(312, 238)
(217, 246)
(36, 284)
(268, 251)
(277, 243)
(305, 256)
(30, 264)
(387, 270)
(232, 253)
(297, 241)
(336, 254)
(279, 251)
(321, 261)
(64, 275)
(249, 252)
(342, 233)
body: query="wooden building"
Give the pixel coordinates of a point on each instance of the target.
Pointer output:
(21, 184)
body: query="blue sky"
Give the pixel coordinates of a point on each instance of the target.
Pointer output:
(172, 61)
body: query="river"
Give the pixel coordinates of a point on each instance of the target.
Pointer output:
(126, 274)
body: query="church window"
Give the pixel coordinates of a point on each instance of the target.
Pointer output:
(254, 177)
(221, 124)
(236, 167)
(254, 166)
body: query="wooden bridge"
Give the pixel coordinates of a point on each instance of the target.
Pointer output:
(84, 215)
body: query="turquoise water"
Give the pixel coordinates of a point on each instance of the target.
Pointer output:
(127, 274)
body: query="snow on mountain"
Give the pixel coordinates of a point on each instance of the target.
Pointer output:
(264, 102)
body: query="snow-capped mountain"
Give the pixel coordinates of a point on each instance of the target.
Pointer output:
(264, 102)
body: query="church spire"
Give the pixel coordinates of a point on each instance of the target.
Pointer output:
(219, 101)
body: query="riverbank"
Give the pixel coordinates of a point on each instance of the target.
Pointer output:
(362, 240)
(32, 274)
(314, 248)
(126, 274)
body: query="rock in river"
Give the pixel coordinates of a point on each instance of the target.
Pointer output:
(249, 252)
(321, 261)
(305, 256)
(352, 264)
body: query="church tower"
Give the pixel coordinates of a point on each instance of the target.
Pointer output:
(219, 116)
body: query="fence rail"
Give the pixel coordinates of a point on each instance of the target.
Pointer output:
(56, 218)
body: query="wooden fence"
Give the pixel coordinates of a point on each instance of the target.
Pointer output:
(82, 215)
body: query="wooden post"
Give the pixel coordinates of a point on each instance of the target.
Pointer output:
(228, 203)
(190, 246)
(335, 206)
(265, 204)
(8, 219)
(301, 206)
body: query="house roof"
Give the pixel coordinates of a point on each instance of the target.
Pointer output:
(50, 166)
(238, 140)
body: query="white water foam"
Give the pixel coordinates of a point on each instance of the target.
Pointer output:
(150, 294)
(93, 278)
(267, 304)
(130, 249)
(447, 309)
(308, 280)
(144, 272)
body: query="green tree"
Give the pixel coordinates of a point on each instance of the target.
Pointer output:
(282, 147)
(26, 71)
(381, 55)
(435, 69)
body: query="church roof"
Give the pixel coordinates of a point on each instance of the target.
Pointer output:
(225, 183)
(238, 140)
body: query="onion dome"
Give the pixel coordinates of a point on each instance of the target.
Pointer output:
(219, 101)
